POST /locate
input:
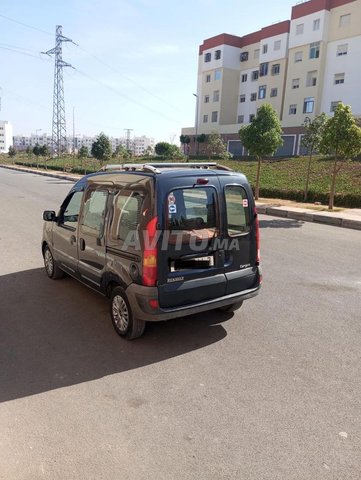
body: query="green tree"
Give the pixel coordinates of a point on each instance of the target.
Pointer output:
(216, 147)
(29, 151)
(201, 139)
(341, 138)
(44, 151)
(83, 152)
(149, 152)
(312, 140)
(37, 150)
(12, 151)
(184, 140)
(121, 152)
(167, 150)
(102, 148)
(262, 137)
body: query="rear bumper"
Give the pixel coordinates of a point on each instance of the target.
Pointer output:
(139, 298)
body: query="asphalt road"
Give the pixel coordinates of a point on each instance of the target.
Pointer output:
(273, 392)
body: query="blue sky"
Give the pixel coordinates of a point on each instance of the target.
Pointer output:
(136, 64)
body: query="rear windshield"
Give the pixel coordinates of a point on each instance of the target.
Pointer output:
(192, 209)
(238, 216)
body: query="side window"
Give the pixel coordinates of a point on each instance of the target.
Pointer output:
(94, 212)
(127, 209)
(71, 210)
(238, 216)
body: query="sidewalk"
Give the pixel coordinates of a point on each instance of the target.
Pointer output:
(346, 218)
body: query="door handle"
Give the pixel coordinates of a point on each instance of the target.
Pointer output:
(73, 239)
(82, 244)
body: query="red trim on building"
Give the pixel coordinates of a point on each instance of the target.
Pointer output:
(222, 39)
(276, 29)
(339, 3)
(314, 6)
(251, 38)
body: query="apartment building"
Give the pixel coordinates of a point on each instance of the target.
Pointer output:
(6, 136)
(138, 145)
(302, 66)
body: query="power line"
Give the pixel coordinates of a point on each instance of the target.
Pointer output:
(24, 24)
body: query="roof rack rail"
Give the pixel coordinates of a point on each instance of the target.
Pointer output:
(156, 167)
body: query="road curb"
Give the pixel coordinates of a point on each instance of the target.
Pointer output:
(44, 174)
(263, 209)
(310, 217)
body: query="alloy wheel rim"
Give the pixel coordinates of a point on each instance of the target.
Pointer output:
(120, 313)
(49, 263)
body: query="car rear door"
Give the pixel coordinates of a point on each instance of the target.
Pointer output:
(239, 233)
(190, 270)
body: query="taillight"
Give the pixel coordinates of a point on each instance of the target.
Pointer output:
(256, 223)
(149, 276)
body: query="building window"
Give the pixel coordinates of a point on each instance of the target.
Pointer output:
(273, 92)
(217, 54)
(255, 75)
(293, 109)
(264, 48)
(311, 79)
(262, 92)
(244, 77)
(217, 75)
(296, 83)
(308, 105)
(251, 118)
(256, 53)
(253, 97)
(207, 57)
(216, 96)
(315, 50)
(342, 50)
(240, 118)
(208, 78)
(299, 29)
(263, 69)
(276, 69)
(298, 57)
(334, 105)
(316, 24)
(205, 118)
(339, 78)
(214, 117)
(345, 20)
(206, 98)
(242, 98)
(277, 45)
(244, 56)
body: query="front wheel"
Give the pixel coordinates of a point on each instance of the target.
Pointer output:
(122, 317)
(231, 308)
(51, 268)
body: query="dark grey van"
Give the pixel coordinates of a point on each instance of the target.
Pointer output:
(160, 240)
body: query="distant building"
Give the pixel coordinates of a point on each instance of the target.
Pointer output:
(302, 66)
(137, 145)
(6, 136)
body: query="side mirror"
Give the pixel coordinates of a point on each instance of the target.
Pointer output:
(49, 216)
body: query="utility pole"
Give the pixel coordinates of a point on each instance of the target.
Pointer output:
(128, 130)
(59, 123)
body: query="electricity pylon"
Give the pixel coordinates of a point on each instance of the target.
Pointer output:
(59, 121)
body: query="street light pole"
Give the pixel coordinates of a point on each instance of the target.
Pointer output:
(197, 150)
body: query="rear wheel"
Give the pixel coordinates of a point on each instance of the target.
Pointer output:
(231, 308)
(51, 268)
(122, 317)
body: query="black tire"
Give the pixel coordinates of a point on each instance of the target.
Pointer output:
(124, 323)
(51, 268)
(231, 308)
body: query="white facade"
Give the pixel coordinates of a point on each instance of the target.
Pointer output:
(6, 136)
(137, 145)
(342, 58)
